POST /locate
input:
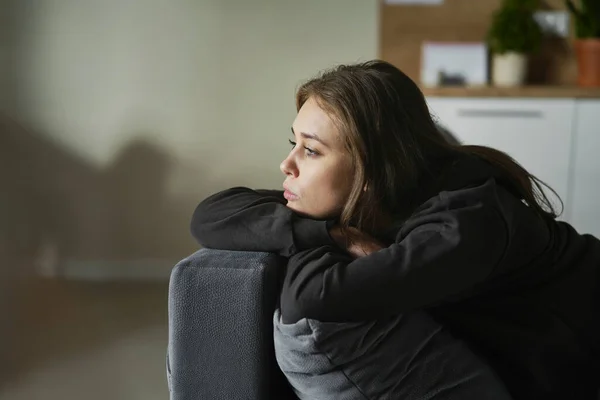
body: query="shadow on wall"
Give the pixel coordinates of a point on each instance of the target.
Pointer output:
(54, 207)
(53, 199)
(146, 221)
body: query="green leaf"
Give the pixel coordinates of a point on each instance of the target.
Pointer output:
(586, 17)
(514, 29)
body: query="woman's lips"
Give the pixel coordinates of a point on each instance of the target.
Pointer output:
(289, 196)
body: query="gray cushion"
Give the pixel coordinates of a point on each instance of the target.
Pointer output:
(406, 357)
(221, 306)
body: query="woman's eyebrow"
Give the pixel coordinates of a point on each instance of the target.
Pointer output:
(312, 136)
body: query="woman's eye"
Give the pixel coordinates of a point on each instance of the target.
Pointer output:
(309, 152)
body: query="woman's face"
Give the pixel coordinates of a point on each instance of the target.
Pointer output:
(319, 170)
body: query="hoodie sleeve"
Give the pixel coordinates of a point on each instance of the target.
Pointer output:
(255, 220)
(440, 254)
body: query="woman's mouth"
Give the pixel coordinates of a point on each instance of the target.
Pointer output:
(289, 196)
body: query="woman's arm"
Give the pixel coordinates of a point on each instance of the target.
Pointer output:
(441, 254)
(255, 220)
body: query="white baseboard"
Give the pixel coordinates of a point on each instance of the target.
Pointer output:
(103, 270)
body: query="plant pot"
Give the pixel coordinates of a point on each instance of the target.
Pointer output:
(588, 62)
(509, 69)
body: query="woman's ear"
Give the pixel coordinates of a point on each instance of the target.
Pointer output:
(366, 187)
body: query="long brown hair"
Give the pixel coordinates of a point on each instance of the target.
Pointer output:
(394, 143)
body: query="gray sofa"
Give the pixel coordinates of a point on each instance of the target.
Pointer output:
(221, 306)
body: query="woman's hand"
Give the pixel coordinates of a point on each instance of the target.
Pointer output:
(355, 242)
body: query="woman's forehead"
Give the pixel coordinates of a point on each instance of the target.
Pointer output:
(312, 120)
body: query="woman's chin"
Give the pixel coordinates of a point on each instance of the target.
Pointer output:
(307, 214)
(292, 205)
(298, 210)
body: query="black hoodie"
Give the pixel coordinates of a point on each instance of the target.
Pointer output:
(522, 290)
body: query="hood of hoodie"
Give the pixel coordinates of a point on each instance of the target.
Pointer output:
(466, 171)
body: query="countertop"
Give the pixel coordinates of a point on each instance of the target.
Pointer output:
(522, 91)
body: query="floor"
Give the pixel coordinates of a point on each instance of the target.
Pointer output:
(87, 341)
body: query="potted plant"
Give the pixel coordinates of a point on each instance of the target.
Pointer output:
(587, 45)
(513, 35)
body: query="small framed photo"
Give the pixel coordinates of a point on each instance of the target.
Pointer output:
(454, 64)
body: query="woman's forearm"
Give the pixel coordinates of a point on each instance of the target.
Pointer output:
(255, 220)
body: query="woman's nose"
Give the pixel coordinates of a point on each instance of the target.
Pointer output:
(288, 167)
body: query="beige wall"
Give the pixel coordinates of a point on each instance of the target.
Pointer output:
(137, 109)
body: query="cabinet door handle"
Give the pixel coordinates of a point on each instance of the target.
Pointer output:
(478, 113)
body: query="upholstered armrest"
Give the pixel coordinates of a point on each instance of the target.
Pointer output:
(221, 306)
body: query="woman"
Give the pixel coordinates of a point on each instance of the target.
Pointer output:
(463, 232)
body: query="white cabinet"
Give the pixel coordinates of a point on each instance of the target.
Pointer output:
(585, 205)
(535, 132)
